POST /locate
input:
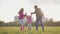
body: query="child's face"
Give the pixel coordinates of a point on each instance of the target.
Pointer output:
(22, 9)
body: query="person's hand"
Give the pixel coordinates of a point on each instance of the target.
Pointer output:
(31, 13)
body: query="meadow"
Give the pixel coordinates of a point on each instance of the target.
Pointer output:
(16, 30)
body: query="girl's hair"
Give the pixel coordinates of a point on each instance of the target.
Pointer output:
(21, 10)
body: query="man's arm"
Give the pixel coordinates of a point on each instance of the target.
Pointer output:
(41, 12)
(33, 13)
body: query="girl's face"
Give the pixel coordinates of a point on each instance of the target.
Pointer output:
(22, 9)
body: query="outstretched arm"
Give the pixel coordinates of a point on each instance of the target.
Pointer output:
(33, 13)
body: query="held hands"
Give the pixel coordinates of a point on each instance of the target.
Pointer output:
(31, 13)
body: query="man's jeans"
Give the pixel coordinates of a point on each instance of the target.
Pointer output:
(41, 21)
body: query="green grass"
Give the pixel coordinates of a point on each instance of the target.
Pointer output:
(16, 30)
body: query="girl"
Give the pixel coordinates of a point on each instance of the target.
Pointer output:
(21, 18)
(29, 21)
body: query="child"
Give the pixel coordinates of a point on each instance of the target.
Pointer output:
(21, 18)
(39, 16)
(29, 21)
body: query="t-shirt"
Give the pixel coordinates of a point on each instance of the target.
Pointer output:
(39, 13)
(21, 15)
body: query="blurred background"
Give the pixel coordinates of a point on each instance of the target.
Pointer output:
(10, 8)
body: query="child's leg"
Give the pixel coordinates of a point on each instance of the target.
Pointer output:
(22, 26)
(24, 20)
(30, 26)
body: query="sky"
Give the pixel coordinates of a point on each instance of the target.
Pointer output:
(10, 8)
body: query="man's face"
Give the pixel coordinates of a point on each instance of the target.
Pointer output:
(35, 8)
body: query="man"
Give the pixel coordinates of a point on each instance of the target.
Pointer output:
(39, 16)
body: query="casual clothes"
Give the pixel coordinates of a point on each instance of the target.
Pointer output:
(39, 16)
(21, 19)
(29, 26)
(29, 21)
(21, 15)
(39, 13)
(41, 21)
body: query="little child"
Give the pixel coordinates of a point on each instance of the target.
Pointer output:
(29, 21)
(21, 18)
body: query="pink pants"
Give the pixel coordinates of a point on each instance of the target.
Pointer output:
(22, 27)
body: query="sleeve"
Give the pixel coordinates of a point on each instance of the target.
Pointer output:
(41, 12)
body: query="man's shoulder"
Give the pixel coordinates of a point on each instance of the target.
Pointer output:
(39, 8)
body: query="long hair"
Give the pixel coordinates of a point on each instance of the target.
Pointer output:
(21, 10)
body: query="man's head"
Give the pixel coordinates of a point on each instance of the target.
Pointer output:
(35, 6)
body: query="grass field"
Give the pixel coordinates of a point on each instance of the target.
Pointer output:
(16, 30)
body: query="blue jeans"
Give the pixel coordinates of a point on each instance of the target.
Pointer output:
(41, 21)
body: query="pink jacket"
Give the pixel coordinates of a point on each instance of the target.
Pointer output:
(29, 19)
(21, 15)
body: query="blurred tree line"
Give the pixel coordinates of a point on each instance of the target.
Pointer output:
(49, 22)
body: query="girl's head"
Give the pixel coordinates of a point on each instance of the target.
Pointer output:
(21, 10)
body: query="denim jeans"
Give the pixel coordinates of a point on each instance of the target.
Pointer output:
(41, 21)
